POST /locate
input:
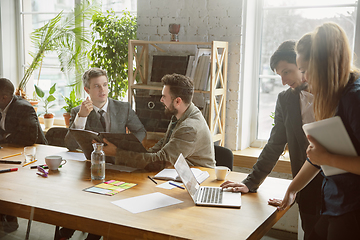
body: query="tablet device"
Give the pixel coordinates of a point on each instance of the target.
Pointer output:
(331, 133)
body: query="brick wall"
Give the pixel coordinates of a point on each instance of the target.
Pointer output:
(200, 20)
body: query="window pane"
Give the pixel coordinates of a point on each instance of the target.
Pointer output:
(284, 24)
(119, 5)
(282, 3)
(51, 5)
(35, 14)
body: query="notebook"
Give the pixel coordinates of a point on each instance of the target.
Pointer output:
(202, 195)
(331, 133)
(171, 174)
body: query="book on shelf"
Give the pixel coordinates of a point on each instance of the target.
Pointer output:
(206, 110)
(171, 175)
(204, 81)
(199, 52)
(202, 72)
(121, 140)
(190, 65)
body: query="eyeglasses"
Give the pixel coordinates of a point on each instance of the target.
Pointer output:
(42, 172)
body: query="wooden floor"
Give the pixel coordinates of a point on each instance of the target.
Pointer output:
(42, 231)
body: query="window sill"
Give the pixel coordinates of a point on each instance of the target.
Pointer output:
(57, 121)
(248, 157)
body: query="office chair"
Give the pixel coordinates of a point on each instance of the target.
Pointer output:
(56, 135)
(224, 157)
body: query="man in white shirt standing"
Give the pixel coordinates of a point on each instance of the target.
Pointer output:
(100, 113)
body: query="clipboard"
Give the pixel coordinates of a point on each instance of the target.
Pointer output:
(121, 140)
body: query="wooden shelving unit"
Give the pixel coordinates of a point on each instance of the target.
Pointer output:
(139, 53)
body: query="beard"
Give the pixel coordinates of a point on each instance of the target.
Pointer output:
(171, 110)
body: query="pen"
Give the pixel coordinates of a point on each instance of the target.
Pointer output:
(43, 166)
(8, 170)
(29, 163)
(13, 155)
(10, 161)
(176, 185)
(152, 179)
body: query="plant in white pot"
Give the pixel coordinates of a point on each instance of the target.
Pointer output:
(48, 116)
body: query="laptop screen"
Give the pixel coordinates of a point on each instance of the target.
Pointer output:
(186, 175)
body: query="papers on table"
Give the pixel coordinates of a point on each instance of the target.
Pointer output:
(45, 150)
(167, 185)
(146, 202)
(78, 156)
(120, 168)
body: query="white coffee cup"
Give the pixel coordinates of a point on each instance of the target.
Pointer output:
(221, 172)
(54, 162)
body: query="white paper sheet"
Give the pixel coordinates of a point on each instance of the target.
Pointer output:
(167, 185)
(78, 156)
(146, 202)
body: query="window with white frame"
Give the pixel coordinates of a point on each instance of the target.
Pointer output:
(282, 20)
(34, 14)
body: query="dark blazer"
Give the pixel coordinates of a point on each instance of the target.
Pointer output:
(22, 124)
(287, 129)
(121, 116)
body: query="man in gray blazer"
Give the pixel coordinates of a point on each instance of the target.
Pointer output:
(100, 113)
(293, 109)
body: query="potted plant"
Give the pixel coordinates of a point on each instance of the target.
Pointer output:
(109, 52)
(71, 102)
(48, 116)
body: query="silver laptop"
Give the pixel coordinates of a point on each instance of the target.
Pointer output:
(202, 195)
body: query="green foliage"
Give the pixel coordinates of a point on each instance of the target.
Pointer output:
(109, 52)
(71, 101)
(47, 100)
(273, 117)
(65, 35)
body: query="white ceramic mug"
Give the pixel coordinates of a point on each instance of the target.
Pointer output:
(54, 162)
(221, 172)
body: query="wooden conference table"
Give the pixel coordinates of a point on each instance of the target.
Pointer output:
(59, 200)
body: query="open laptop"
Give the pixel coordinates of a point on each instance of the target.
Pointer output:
(331, 133)
(202, 195)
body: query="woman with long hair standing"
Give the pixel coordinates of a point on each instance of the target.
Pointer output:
(324, 58)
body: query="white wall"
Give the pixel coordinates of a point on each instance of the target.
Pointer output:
(201, 20)
(9, 59)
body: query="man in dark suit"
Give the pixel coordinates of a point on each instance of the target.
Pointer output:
(100, 113)
(19, 122)
(18, 125)
(294, 107)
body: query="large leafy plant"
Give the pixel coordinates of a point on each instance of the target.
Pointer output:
(65, 35)
(109, 52)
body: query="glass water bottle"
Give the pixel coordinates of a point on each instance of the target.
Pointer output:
(98, 162)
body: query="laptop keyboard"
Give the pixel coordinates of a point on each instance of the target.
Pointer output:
(211, 195)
